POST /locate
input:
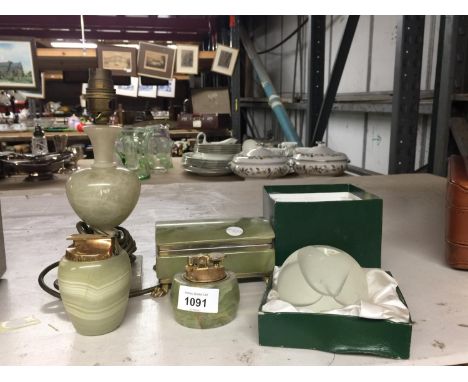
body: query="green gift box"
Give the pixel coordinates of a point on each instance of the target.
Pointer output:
(339, 215)
(345, 217)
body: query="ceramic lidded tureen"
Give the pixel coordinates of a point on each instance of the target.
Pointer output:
(319, 160)
(260, 162)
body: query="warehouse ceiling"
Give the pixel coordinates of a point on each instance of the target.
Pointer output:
(108, 28)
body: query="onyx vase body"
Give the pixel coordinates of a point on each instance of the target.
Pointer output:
(95, 294)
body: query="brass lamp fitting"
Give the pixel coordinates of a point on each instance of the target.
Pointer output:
(100, 96)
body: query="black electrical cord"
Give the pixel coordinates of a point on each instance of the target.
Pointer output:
(286, 39)
(41, 282)
(124, 238)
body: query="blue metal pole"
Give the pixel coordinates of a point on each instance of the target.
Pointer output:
(274, 99)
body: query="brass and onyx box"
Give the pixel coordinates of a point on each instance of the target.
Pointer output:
(246, 243)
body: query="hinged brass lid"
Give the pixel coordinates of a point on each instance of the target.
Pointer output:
(205, 268)
(213, 233)
(90, 247)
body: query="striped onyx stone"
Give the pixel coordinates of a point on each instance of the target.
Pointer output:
(95, 294)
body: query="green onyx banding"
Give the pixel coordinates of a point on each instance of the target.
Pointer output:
(227, 305)
(95, 294)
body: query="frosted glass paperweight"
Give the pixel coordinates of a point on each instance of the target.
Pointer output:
(321, 278)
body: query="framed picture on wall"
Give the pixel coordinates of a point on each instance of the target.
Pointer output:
(148, 91)
(122, 61)
(156, 61)
(128, 90)
(187, 59)
(39, 93)
(225, 60)
(167, 90)
(18, 67)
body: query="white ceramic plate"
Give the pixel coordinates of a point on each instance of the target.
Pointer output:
(207, 172)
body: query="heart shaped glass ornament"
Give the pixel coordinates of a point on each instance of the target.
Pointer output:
(294, 287)
(322, 278)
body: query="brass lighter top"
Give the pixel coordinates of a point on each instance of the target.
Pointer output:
(205, 268)
(87, 247)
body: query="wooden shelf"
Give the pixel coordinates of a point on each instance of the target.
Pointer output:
(77, 52)
(25, 136)
(64, 58)
(206, 55)
(57, 75)
(192, 133)
(53, 75)
(69, 53)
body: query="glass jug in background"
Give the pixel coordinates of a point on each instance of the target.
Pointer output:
(132, 150)
(159, 148)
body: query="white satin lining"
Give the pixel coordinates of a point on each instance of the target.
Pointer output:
(383, 302)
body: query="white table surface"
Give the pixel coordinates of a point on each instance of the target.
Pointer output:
(36, 223)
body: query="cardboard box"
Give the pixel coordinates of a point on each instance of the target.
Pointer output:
(211, 101)
(211, 110)
(352, 222)
(203, 121)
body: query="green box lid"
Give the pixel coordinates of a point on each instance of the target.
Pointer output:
(344, 216)
(209, 233)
